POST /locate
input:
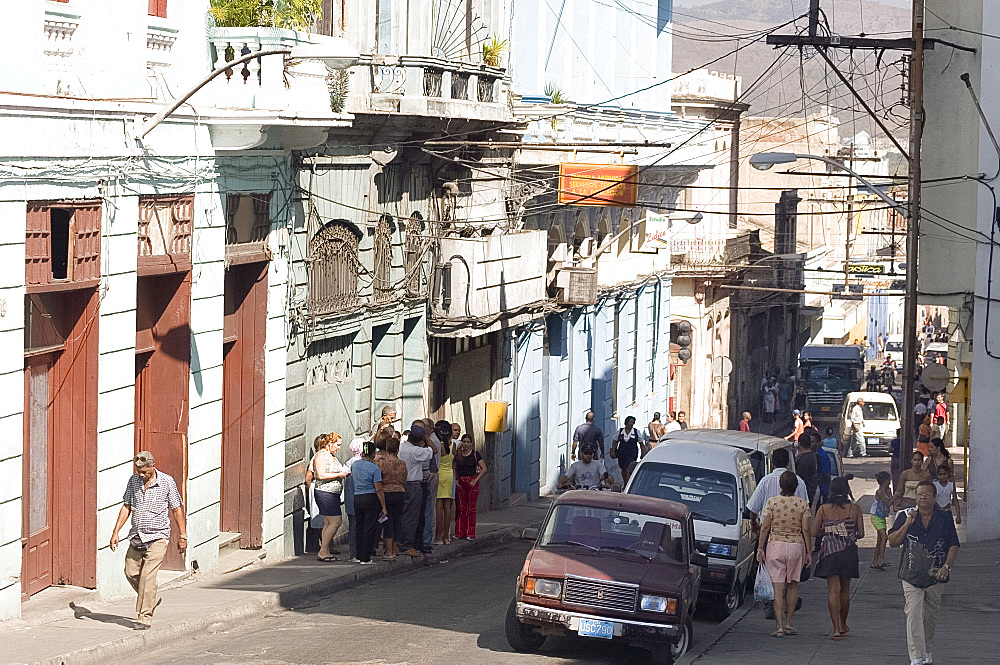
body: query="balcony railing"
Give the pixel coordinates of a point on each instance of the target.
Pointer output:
(267, 83)
(709, 254)
(418, 85)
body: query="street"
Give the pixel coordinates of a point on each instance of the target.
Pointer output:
(448, 613)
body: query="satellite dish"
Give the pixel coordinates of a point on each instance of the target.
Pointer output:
(934, 377)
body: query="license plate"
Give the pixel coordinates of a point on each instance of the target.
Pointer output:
(824, 408)
(874, 441)
(594, 628)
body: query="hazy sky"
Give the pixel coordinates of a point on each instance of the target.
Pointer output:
(695, 3)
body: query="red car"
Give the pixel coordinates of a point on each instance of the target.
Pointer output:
(610, 566)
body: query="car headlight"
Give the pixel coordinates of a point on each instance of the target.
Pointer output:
(648, 603)
(542, 587)
(718, 549)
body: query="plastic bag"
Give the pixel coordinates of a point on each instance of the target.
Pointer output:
(763, 590)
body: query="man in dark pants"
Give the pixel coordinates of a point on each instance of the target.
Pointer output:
(414, 452)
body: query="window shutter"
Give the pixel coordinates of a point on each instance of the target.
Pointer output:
(87, 243)
(158, 8)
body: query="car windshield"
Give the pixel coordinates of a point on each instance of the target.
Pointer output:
(711, 495)
(604, 529)
(820, 372)
(880, 411)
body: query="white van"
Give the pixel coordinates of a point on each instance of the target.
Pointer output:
(881, 420)
(758, 447)
(714, 481)
(894, 345)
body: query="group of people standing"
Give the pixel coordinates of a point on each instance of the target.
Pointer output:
(779, 394)
(403, 488)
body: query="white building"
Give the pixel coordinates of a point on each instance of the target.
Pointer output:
(144, 279)
(958, 234)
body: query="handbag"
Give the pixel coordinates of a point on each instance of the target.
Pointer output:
(918, 566)
(313, 518)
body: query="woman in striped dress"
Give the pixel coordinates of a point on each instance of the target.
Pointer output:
(841, 525)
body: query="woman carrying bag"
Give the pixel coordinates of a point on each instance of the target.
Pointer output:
(327, 476)
(841, 525)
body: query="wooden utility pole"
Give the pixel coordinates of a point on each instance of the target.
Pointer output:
(916, 84)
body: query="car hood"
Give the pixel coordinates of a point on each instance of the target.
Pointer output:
(611, 566)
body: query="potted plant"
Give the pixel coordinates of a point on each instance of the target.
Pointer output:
(493, 49)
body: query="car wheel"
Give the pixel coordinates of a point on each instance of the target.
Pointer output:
(731, 601)
(683, 643)
(520, 637)
(661, 655)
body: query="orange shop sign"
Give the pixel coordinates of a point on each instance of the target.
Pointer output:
(598, 184)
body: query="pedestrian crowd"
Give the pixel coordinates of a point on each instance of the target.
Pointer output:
(408, 490)
(810, 525)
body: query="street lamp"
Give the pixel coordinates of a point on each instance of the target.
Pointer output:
(335, 53)
(762, 161)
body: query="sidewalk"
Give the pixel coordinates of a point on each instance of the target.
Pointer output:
(76, 634)
(966, 628)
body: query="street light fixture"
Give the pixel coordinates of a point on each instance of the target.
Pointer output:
(335, 53)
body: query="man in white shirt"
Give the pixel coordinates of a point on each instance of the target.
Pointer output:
(858, 448)
(672, 424)
(586, 473)
(416, 454)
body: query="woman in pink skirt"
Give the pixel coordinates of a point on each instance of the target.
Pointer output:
(784, 549)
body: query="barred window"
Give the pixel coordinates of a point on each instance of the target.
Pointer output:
(383, 260)
(333, 269)
(414, 228)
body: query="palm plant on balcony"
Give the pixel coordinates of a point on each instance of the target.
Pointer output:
(291, 14)
(555, 93)
(493, 50)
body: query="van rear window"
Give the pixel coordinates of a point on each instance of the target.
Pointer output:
(711, 495)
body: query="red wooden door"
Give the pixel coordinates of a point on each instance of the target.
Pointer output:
(36, 541)
(242, 509)
(162, 367)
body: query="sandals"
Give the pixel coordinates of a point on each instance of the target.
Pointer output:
(327, 559)
(790, 631)
(778, 633)
(837, 636)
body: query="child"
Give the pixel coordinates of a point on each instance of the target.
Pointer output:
(880, 510)
(947, 495)
(830, 441)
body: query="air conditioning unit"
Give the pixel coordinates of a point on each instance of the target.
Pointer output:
(576, 286)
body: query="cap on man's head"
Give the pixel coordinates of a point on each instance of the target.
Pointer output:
(417, 432)
(588, 449)
(796, 412)
(143, 458)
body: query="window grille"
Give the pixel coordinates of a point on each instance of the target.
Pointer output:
(383, 260)
(165, 225)
(333, 269)
(414, 261)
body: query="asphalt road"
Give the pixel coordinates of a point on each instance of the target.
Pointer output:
(444, 614)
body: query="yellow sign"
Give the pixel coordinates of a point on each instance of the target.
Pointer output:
(598, 184)
(866, 268)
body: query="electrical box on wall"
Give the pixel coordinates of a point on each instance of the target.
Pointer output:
(496, 416)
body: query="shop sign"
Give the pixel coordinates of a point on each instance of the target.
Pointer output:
(598, 184)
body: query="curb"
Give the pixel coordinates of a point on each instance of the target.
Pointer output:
(716, 634)
(284, 598)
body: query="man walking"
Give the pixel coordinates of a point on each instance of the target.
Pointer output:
(930, 547)
(588, 432)
(941, 411)
(682, 419)
(414, 452)
(150, 497)
(858, 447)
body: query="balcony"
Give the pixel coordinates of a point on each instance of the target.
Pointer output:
(496, 277)
(709, 256)
(428, 86)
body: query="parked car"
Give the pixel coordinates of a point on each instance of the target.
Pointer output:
(881, 420)
(758, 447)
(714, 481)
(894, 344)
(937, 352)
(610, 566)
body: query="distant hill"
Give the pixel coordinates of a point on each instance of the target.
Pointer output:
(705, 32)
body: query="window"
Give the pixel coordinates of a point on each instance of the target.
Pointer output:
(587, 527)
(414, 255)
(382, 282)
(711, 495)
(62, 242)
(383, 27)
(158, 8)
(164, 231)
(333, 269)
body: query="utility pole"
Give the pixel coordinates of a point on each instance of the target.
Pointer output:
(912, 227)
(847, 229)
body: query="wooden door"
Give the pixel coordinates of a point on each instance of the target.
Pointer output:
(59, 532)
(242, 509)
(36, 501)
(162, 367)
